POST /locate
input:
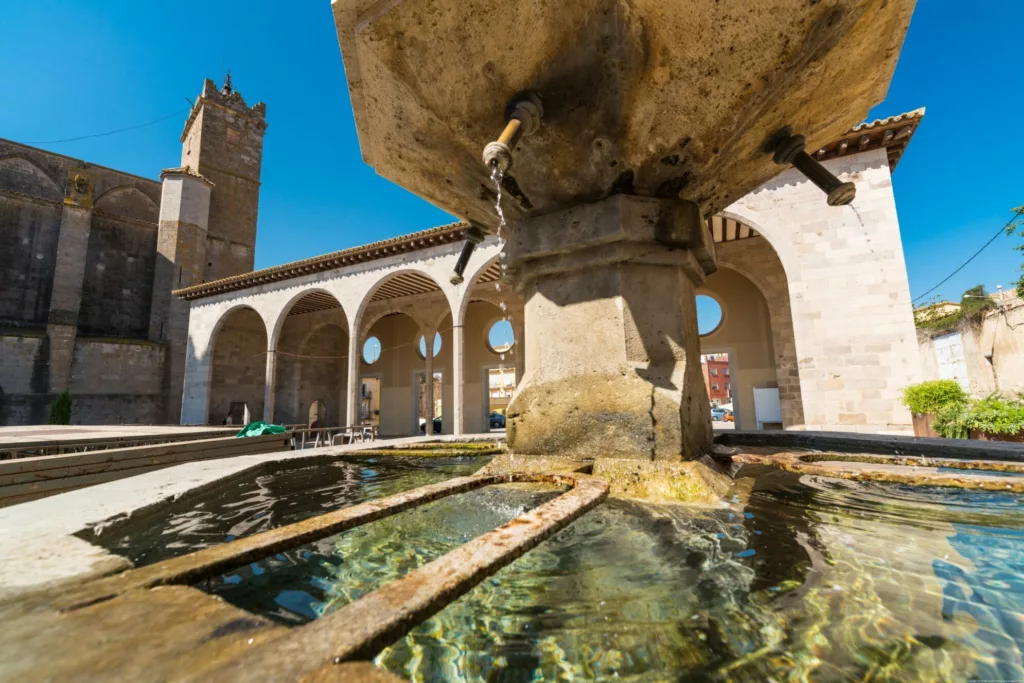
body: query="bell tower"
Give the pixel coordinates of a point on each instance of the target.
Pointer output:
(223, 142)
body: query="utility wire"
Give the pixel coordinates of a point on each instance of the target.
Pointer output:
(974, 256)
(112, 132)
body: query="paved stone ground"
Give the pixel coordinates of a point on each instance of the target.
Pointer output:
(37, 542)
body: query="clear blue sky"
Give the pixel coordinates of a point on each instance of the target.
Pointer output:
(74, 68)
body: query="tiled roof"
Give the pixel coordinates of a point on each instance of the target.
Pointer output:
(892, 133)
(444, 234)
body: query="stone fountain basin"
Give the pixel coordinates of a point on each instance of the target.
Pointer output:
(648, 97)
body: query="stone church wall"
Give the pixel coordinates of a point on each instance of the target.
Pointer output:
(29, 229)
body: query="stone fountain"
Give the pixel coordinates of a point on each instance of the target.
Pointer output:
(627, 124)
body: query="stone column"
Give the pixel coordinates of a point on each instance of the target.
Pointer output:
(180, 262)
(518, 355)
(458, 377)
(270, 386)
(428, 380)
(613, 356)
(195, 401)
(352, 409)
(69, 270)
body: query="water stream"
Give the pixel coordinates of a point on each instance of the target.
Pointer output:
(497, 176)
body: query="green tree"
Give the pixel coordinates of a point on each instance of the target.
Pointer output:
(60, 410)
(1013, 227)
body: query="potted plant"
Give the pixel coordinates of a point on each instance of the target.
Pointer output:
(927, 398)
(993, 418)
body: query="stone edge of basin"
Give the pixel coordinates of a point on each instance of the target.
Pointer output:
(361, 628)
(879, 444)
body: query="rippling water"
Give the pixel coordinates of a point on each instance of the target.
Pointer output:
(248, 505)
(792, 579)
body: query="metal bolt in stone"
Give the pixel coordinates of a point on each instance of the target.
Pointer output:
(474, 236)
(522, 116)
(787, 149)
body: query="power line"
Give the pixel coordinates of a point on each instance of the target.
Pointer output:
(112, 132)
(974, 256)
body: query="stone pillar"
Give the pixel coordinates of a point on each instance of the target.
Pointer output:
(518, 355)
(180, 262)
(458, 378)
(195, 401)
(69, 270)
(428, 380)
(354, 352)
(270, 386)
(613, 355)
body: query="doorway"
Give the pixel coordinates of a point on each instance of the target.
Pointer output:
(718, 380)
(501, 384)
(369, 402)
(427, 397)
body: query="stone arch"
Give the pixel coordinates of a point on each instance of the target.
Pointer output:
(769, 277)
(238, 360)
(424, 318)
(768, 230)
(128, 201)
(310, 343)
(282, 314)
(18, 173)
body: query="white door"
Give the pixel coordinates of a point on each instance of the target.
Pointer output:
(949, 353)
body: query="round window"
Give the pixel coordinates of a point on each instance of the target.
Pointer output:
(709, 315)
(421, 345)
(371, 350)
(500, 337)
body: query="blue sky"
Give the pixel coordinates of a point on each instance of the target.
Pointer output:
(73, 68)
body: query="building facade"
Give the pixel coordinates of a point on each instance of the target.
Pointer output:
(815, 306)
(715, 368)
(89, 256)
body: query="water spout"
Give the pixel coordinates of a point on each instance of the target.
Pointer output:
(787, 148)
(522, 115)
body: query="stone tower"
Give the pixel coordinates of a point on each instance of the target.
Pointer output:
(223, 142)
(208, 212)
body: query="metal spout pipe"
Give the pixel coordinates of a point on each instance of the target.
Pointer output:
(474, 236)
(522, 115)
(789, 149)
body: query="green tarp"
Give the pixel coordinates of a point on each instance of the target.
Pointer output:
(259, 429)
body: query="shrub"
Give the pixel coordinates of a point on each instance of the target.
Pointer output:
(60, 410)
(931, 397)
(993, 414)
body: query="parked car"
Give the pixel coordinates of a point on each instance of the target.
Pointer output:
(438, 425)
(497, 421)
(718, 414)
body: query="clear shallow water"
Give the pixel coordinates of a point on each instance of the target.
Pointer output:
(249, 505)
(792, 579)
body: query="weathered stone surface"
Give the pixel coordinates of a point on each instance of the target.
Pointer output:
(663, 482)
(612, 359)
(509, 463)
(660, 99)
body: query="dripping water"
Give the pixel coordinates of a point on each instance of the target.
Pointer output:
(496, 177)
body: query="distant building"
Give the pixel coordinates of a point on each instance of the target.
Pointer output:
(716, 378)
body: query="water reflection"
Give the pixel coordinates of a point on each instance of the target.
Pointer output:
(792, 578)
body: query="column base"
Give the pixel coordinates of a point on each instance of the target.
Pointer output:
(612, 350)
(609, 416)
